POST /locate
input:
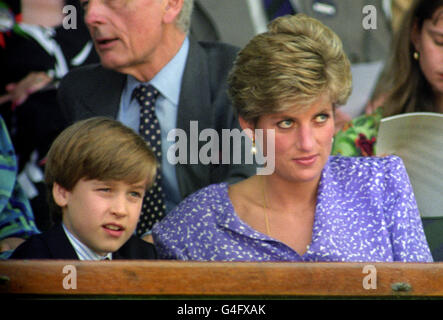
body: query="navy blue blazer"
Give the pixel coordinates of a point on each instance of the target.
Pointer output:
(54, 244)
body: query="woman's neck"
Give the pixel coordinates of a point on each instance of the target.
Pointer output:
(46, 13)
(284, 195)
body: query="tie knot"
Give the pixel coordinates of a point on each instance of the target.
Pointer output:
(145, 94)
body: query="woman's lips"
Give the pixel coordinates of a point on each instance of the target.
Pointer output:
(306, 161)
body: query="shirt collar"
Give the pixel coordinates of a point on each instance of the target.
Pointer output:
(227, 218)
(168, 80)
(83, 252)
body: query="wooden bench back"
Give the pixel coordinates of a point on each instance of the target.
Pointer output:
(177, 278)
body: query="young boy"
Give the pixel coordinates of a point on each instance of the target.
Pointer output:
(97, 172)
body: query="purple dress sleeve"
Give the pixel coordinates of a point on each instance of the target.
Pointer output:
(402, 216)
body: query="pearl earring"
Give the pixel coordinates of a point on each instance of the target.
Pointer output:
(416, 55)
(253, 149)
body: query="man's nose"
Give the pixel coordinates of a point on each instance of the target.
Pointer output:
(94, 13)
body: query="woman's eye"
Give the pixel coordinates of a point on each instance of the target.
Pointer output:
(322, 118)
(285, 124)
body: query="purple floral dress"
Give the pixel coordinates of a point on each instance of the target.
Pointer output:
(366, 212)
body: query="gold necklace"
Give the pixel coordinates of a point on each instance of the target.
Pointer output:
(268, 231)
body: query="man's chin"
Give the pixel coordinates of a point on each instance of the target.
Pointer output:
(109, 62)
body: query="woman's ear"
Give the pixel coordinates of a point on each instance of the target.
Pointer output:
(415, 37)
(60, 195)
(247, 126)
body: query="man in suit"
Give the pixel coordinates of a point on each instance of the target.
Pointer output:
(96, 173)
(146, 42)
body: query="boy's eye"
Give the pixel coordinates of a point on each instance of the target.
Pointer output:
(136, 194)
(285, 124)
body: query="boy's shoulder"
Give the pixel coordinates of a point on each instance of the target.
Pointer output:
(136, 248)
(51, 244)
(33, 248)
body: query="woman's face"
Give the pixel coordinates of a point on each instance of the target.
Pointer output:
(429, 43)
(303, 140)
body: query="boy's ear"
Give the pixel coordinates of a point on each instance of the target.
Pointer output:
(60, 195)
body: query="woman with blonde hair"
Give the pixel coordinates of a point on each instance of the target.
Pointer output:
(287, 82)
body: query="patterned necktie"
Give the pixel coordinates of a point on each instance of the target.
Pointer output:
(153, 203)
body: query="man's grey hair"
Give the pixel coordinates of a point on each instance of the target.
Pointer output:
(184, 18)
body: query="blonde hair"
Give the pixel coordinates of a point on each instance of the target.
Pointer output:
(295, 62)
(97, 148)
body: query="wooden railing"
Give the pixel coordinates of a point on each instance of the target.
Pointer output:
(206, 279)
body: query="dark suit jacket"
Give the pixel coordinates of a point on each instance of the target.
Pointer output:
(54, 244)
(96, 91)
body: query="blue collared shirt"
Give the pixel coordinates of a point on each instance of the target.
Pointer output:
(168, 83)
(83, 252)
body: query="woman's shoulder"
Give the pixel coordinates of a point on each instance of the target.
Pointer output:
(364, 167)
(344, 162)
(199, 205)
(208, 195)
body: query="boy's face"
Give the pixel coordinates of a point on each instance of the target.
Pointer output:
(101, 214)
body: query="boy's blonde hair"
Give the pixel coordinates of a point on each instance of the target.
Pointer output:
(294, 63)
(97, 148)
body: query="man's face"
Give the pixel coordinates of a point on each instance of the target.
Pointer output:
(126, 33)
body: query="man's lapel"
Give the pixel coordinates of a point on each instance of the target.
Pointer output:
(195, 94)
(104, 98)
(194, 105)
